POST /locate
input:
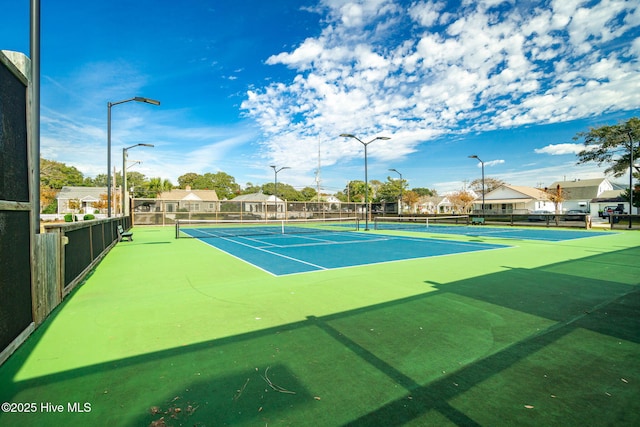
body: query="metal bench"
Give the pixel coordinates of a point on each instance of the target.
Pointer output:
(477, 221)
(124, 234)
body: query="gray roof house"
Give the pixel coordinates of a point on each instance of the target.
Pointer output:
(188, 200)
(579, 193)
(87, 198)
(260, 204)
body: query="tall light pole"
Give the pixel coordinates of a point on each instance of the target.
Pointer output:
(630, 177)
(482, 163)
(109, 105)
(125, 205)
(275, 190)
(366, 178)
(401, 190)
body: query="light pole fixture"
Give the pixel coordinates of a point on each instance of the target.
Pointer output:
(630, 178)
(125, 205)
(482, 163)
(109, 105)
(366, 178)
(275, 190)
(401, 190)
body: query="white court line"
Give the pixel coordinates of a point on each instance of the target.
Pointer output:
(273, 253)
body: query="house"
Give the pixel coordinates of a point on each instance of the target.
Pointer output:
(260, 205)
(187, 200)
(607, 199)
(446, 204)
(579, 193)
(429, 204)
(84, 200)
(512, 199)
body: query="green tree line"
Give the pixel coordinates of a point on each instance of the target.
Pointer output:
(54, 175)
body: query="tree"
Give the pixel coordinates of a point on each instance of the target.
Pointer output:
(156, 186)
(355, 191)
(611, 145)
(48, 200)
(309, 194)
(224, 184)
(636, 196)
(56, 175)
(285, 191)
(188, 179)
(391, 190)
(461, 201)
(374, 188)
(410, 198)
(422, 192)
(490, 184)
(100, 180)
(556, 195)
(250, 188)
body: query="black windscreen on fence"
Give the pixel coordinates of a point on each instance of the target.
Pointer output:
(15, 226)
(14, 165)
(97, 240)
(77, 253)
(15, 275)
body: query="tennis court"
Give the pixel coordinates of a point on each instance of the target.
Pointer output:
(291, 254)
(170, 332)
(460, 225)
(300, 246)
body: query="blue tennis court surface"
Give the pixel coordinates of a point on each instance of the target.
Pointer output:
(283, 254)
(531, 233)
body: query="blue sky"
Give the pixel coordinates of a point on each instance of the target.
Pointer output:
(248, 84)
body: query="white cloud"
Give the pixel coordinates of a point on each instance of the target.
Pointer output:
(560, 149)
(486, 67)
(494, 163)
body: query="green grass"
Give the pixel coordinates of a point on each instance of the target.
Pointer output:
(174, 332)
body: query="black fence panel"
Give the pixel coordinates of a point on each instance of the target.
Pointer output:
(15, 275)
(77, 253)
(14, 169)
(16, 314)
(97, 240)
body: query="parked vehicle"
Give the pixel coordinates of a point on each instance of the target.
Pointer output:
(575, 215)
(540, 215)
(612, 210)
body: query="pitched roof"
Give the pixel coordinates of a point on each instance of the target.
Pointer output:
(579, 183)
(610, 196)
(255, 197)
(518, 193)
(190, 195)
(580, 188)
(81, 193)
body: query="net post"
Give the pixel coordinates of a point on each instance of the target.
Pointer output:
(177, 228)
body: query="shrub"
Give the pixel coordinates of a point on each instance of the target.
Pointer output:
(89, 217)
(68, 218)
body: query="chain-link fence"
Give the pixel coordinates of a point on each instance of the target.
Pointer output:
(166, 212)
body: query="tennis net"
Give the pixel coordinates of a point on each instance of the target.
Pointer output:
(230, 228)
(419, 223)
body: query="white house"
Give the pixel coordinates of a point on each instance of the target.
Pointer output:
(84, 200)
(446, 206)
(579, 193)
(188, 200)
(508, 199)
(260, 204)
